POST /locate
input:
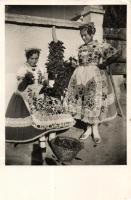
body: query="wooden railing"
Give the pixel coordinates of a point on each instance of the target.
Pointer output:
(40, 21)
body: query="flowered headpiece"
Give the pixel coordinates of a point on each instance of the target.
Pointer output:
(33, 48)
(89, 27)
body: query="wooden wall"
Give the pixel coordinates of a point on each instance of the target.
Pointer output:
(114, 26)
(117, 38)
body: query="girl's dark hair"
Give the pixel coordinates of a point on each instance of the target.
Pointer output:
(29, 53)
(90, 28)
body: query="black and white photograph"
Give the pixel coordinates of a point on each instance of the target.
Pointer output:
(65, 85)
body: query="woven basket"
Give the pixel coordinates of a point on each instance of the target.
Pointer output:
(65, 148)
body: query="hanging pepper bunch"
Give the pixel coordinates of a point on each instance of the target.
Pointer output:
(58, 69)
(55, 59)
(63, 78)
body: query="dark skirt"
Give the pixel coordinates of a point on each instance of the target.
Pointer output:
(18, 122)
(19, 125)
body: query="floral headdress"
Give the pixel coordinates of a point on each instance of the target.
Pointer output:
(33, 48)
(89, 27)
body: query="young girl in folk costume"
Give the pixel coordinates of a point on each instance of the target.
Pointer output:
(31, 112)
(90, 95)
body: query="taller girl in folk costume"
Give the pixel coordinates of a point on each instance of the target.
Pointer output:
(90, 95)
(31, 112)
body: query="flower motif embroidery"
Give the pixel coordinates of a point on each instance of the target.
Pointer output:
(94, 52)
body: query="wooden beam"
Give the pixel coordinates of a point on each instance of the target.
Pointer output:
(41, 21)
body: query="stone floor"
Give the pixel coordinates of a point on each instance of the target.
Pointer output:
(111, 151)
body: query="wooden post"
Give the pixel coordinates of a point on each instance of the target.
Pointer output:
(54, 37)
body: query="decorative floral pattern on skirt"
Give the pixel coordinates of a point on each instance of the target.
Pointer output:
(26, 123)
(90, 95)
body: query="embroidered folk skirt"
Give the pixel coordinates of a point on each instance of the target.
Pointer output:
(90, 96)
(21, 126)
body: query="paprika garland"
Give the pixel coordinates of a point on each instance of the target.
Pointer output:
(58, 70)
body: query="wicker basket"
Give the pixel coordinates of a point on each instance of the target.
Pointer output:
(65, 148)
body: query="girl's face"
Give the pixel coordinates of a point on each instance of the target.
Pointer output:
(33, 59)
(86, 37)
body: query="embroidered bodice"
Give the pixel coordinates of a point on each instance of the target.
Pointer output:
(31, 93)
(37, 73)
(95, 53)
